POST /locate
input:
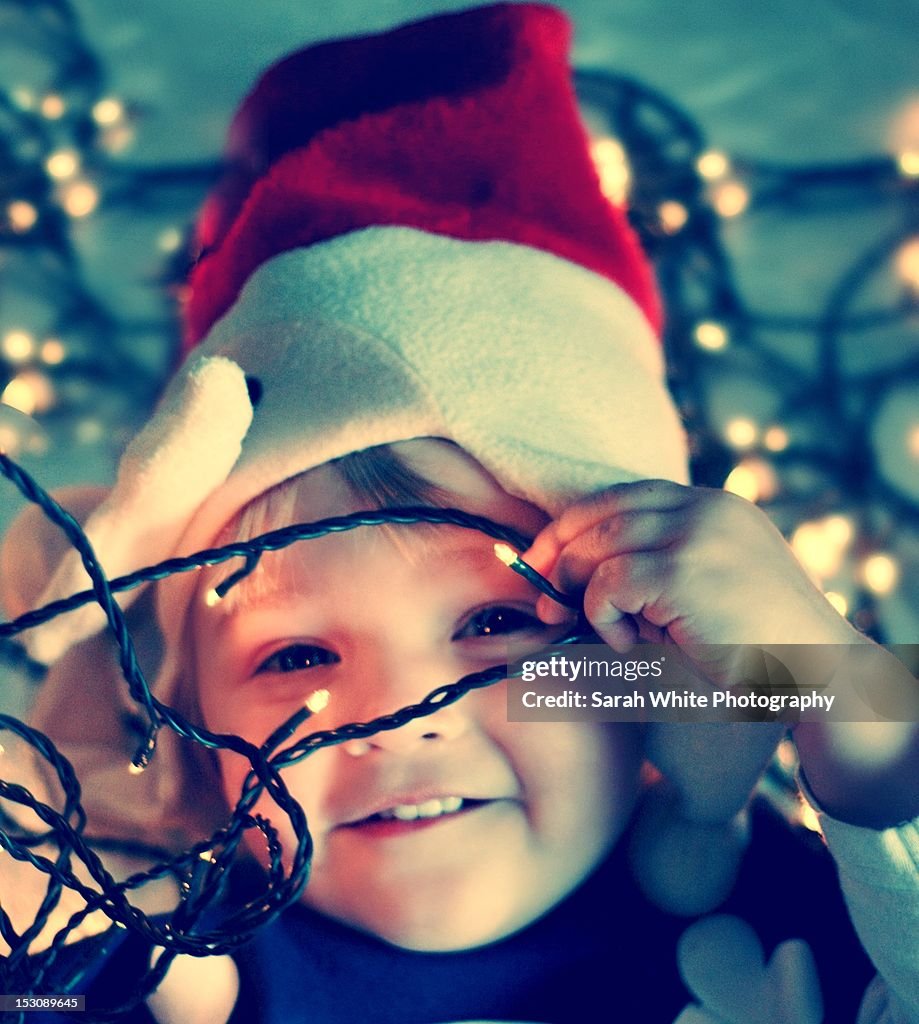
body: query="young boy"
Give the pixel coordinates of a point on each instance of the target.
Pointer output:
(411, 291)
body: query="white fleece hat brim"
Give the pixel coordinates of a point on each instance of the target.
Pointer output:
(548, 374)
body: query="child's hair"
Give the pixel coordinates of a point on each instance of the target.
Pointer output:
(377, 478)
(382, 478)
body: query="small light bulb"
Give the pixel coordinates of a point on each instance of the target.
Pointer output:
(672, 216)
(730, 198)
(62, 164)
(839, 530)
(207, 855)
(820, 545)
(907, 261)
(710, 335)
(18, 394)
(53, 352)
(740, 432)
(742, 481)
(18, 346)
(21, 216)
(169, 240)
(908, 163)
(108, 111)
(713, 164)
(29, 392)
(505, 553)
(776, 439)
(53, 106)
(80, 198)
(612, 167)
(753, 479)
(135, 769)
(880, 573)
(212, 598)
(317, 700)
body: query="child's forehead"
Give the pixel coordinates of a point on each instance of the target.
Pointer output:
(323, 491)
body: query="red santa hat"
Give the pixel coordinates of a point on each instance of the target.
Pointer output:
(411, 241)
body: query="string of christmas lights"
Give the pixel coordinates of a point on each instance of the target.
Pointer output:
(201, 872)
(72, 371)
(816, 465)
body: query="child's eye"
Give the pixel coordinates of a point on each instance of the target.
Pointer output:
(498, 621)
(296, 658)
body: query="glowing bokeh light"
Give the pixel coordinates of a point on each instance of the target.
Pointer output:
(108, 111)
(880, 573)
(612, 168)
(672, 215)
(907, 262)
(753, 479)
(713, 164)
(21, 215)
(776, 439)
(62, 164)
(18, 346)
(740, 432)
(711, 336)
(53, 352)
(731, 198)
(53, 107)
(80, 198)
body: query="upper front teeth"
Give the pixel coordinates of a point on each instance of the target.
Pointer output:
(428, 809)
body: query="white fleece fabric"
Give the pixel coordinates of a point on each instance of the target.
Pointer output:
(878, 872)
(722, 963)
(545, 372)
(169, 468)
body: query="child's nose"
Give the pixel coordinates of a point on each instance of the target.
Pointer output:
(420, 734)
(407, 687)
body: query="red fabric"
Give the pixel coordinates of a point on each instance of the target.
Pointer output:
(464, 125)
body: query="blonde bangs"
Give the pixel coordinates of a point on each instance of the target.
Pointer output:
(377, 478)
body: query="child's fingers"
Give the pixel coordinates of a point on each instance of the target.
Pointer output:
(643, 496)
(624, 588)
(621, 534)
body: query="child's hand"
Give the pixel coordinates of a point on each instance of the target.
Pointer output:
(700, 567)
(690, 565)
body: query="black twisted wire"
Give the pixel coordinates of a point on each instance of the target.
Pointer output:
(203, 870)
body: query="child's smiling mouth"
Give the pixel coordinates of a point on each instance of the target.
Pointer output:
(405, 817)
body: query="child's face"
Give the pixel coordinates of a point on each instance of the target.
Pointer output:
(379, 621)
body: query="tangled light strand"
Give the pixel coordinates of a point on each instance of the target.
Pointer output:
(202, 871)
